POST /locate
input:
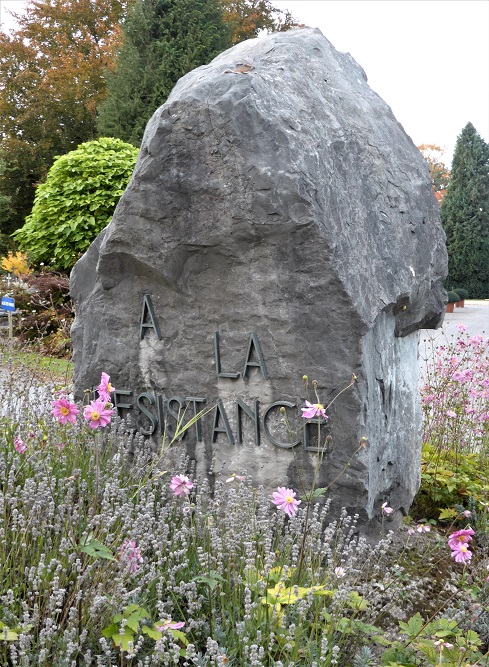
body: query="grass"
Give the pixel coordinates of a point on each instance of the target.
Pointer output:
(42, 367)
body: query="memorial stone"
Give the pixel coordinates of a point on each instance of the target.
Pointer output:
(279, 224)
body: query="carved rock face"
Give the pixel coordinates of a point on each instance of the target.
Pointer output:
(279, 223)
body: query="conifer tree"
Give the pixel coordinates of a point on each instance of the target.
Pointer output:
(163, 40)
(465, 215)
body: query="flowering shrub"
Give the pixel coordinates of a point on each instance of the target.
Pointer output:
(455, 396)
(455, 461)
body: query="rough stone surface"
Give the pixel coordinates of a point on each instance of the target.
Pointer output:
(274, 193)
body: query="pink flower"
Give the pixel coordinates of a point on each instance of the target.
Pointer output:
(460, 537)
(180, 485)
(461, 327)
(19, 445)
(105, 387)
(313, 410)
(451, 413)
(423, 528)
(462, 553)
(64, 411)
(475, 341)
(233, 477)
(97, 414)
(131, 555)
(467, 513)
(169, 625)
(285, 500)
(386, 510)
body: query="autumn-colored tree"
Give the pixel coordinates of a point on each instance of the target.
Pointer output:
(52, 74)
(246, 18)
(440, 175)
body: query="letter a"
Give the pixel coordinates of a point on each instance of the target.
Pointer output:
(148, 313)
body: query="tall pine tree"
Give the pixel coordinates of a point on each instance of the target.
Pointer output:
(465, 215)
(163, 40)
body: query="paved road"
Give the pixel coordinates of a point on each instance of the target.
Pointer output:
(475, 316)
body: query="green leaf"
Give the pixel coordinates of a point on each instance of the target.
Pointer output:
(97, 550)
(413, 627)
(151, 632)
(212, 580)
(357, 602)
(110, 631)
(10, 635)
(178, 634)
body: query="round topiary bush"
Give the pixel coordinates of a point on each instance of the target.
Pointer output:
(463, 294)
(453, 297)
(76, 201)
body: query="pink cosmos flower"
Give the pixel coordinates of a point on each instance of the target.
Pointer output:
(97, 414)
(476, 341)
(461, 553)
(451, 413)
(233, 477)
(131, 555)
(460, 537)
(105, 387)
(169, 625)
(285, 500)
(423, 528)
(313, 410)
(19, 445)
(461, 327)
(64, 411)
(180, 485)
(386, 510)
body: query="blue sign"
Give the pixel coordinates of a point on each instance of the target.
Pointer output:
(7, 303)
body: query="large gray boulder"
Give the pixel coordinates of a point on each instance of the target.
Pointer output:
(276, 201)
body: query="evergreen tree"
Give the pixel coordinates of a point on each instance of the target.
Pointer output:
(163, 40)
(465, 215)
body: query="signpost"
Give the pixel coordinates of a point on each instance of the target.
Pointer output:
(8, 304)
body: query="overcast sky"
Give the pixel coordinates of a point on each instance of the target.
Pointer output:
(428, 59)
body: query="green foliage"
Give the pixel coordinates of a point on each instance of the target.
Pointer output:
(124, 629)
(163, 40)
(465, 214)
(76, 202)
(448, 479)
(52, 69)
(463, 294)
(434, 643)
(453, 297)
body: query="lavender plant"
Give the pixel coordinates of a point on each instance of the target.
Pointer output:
(107, 559)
